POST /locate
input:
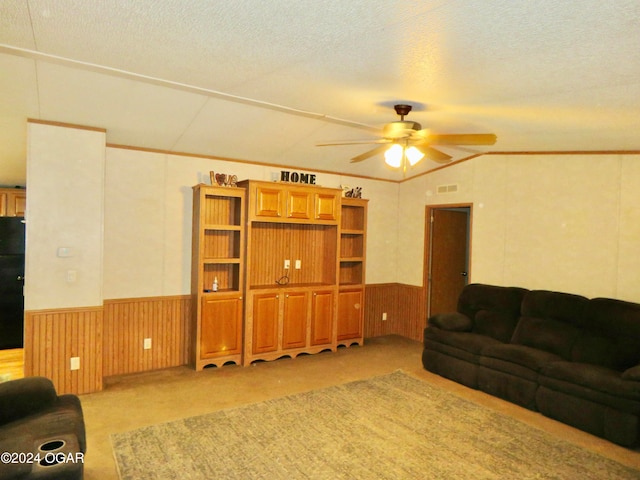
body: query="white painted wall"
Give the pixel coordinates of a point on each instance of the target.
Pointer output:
(563, 222)
(560, 222)
(148, 200)
(65, 174)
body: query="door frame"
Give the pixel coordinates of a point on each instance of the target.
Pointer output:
(426, 271)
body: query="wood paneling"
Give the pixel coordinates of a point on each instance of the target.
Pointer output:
(52, 337)
(314, 245)
(405, 306)
(127, 322)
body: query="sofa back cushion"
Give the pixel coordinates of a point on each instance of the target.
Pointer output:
(610, 336)
(494, 310)
(550, 321)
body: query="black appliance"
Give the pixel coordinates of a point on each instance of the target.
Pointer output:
(12, 242)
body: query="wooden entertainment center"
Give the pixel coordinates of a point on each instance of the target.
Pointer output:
(278, 269)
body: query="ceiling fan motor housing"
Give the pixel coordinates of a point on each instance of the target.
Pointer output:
(402, 110)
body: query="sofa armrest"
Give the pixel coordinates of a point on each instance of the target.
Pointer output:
(632, 373)
(454, 322)
(22, 397)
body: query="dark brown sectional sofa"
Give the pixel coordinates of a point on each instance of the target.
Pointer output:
(573, 359)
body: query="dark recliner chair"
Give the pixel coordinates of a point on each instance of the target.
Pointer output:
(42, 433)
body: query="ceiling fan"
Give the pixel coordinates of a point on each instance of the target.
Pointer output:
(405, 142)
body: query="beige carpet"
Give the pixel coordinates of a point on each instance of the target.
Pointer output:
(389, 427)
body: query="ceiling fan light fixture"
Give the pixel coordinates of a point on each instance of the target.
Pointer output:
(413, 155)
(393, 156)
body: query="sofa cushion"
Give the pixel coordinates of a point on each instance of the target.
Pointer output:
(611, 334)
(602, 381)
(494, 310)
(615, 353)
(466, 341)
(550, 321)
(510, 358)
(454, 321)
(546, 334)
(632, 373)
(564, 307)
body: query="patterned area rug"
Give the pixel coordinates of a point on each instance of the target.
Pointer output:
(389, 427)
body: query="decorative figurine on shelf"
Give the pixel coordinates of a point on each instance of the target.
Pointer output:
(353, 192)
(223, 179)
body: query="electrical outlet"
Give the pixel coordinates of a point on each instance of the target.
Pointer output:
(146, 344)
(287, 264)
(384, 317)
(298, 265)
(74, 363)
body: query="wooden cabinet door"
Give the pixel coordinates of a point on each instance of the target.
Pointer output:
(299, 205)
(19, 204)
(13, 202)
(350, 314)
(294, 321)
(326, 206)
(4, 201)
(221, 326)
(321, 317)
(265, 322)
(269, 202)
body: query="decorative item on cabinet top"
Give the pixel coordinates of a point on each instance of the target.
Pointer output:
(223, 179)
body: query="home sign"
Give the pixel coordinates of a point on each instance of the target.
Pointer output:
(296, 177)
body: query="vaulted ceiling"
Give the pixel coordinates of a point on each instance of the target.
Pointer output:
(265, 81)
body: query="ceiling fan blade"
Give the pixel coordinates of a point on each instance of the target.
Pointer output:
(462, 139)
(355, 142)
(433, 154)
(369, 154)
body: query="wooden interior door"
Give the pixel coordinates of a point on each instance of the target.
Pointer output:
(448, 257)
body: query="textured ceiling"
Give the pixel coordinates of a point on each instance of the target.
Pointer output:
(266, 81)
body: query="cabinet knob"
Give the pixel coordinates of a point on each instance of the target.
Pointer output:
(357, 306)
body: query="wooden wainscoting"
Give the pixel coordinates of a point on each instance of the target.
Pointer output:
(405, 306)
(127, 322)
(53, 337)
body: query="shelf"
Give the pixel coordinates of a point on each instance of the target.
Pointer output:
(220, 292)
(351, 272)
(347, 231)
(233, 228)
(291, 286)
(221, 260)
(351, 259)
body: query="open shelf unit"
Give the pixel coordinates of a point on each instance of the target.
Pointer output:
(353, 234)
(217, 257)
